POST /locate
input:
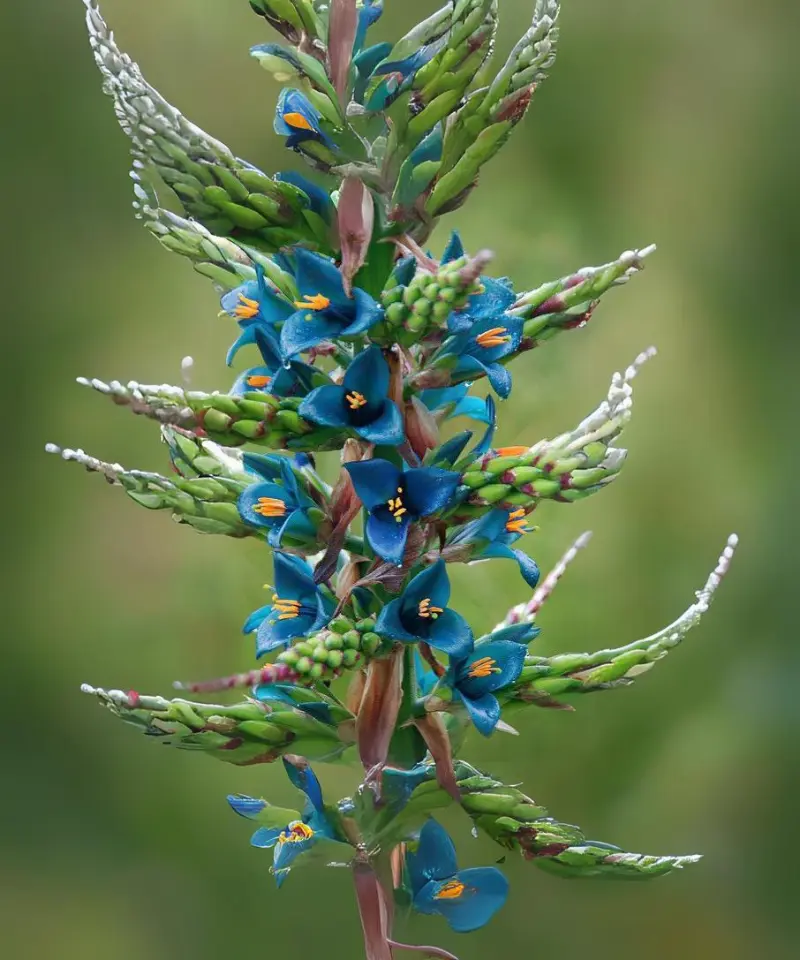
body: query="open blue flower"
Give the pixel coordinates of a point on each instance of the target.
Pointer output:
(299, 606)
(467, 899)
(439, 398)
(298, 833)
(493, 534)
(481, 346)
(360, 403)
(324, 311)
(395, 498)
(297, 120)
(274, 376)
(477, 677)
(255, 306)
(280, 507)
(421, 613)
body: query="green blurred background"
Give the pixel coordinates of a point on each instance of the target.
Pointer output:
(669, 122)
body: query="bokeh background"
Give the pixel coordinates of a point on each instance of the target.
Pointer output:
(669, 122)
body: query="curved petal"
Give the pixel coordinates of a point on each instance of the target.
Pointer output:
(496, 298)
(435, 857)
(247, 807)
(473, 407)
(484, 712)
(487, 528)
(451, 450)
(305, 329)
(304, 778)
(266, 465)
(319, 199)
(460, 321)
(388, 537)
(298, 526)
(268, 347)
(506, 658)
(287, 851)
(274, 632)
(375, 481)
(254, 621)
(386, 429)
(436, 397)
(500, 379)
(368, 313)
(432, 584)
(265, 837)
(451, 633)
(248, 335)
(454, 249)
(485, 891)
(294, 578)
(389, 623)
(528, 567)
(368, 374)
(490, 419)
(325, 406)
(517, 633)
(317, 274)
(430, 489)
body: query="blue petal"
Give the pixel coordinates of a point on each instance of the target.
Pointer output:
(452, 634)
(460, 321)
(486, 440)
(386, 429)
(368, 13)
(452, 449)
(317, 274)
(307, 328)
(430, 489)
(248, 335)
(265, 837)
(368, 374)
(432, 584)
(484, 711)
(509, 658)
(268, 347)
(500, 379)
(517, 632)
(375, 481)
(426, 678)
(298, 526)
(230, 300)
(436, 397)
(274, 633)
(306, 780)
(241, 385)
(490, 527)
(485, 891)
(454, 249)
(389, 623)
(387, 537)
(319, 199)
(435, 857)
(248, 807)
(528, 567)
(325, 406)
(294, 578)
(254, 621)
(367, 313)
(496, 298)
(266, 465)
(403, 272)
(293, 101)
(473, 407)
(288, 851)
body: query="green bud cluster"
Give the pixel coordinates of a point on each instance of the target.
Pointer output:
(423, 306)
(343, 645)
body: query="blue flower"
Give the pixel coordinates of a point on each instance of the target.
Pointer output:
(481, 346)
(298, 834)
(467, 899)
(493, 535)
(298, 607)
(297, 120)
(360, 403)
(369, 11)
(491, 666)
(274, 376)
(399, 74)
(324, 311)
(441, 398)
(255, 307)
(280, 507)
(454, 250)
(421, 613)
(494, 299)
(395, 498)
(398, 785)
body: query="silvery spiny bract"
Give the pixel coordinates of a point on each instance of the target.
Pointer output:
(360, 341)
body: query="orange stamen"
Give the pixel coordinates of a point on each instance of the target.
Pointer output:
(484, 667)
(451, 890)
(317, 302)
(495, 337)
(356, 400)
(426, 610)
(270, 507)
(246, 308)
(511, 451)
(258, 380)
(395, 505)
(516, 522)
(287, 609)
(296, 831)
(297, 120)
